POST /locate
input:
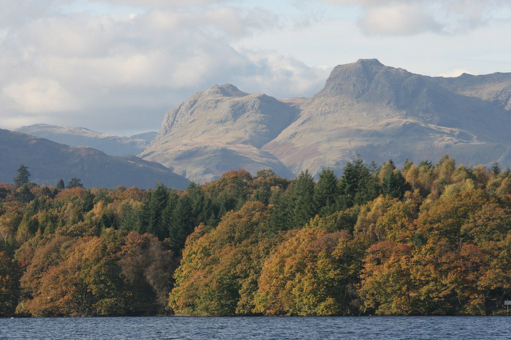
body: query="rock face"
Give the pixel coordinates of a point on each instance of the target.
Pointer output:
(382, 112)
(76, 136)
(218, 130)
(365, 108)
(48, 162)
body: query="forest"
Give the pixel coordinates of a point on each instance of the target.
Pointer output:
(425, 239)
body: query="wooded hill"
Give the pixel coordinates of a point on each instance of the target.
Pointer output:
(426, 239)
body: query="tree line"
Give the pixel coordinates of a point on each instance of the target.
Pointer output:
(426, 239)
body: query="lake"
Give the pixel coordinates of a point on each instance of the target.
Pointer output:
(258, 328)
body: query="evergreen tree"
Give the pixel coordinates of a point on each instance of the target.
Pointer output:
(61, 185)
(368, 188)
(495, 168)
(182, 223)
(24, 194)
(143, 216)
(280, 216)
(88, 201)
(128, 216)
(326, 193)
(393, 182)
(302, 197)
(157, 204)
(197, 202)
(22, 177)
(168, 212)
(74, 183)
(348, 185)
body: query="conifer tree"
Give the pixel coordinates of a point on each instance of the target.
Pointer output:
(157, 204)
(302, 197)
(74, 183)
(280, 216)
(61, 185)
(22, 177)
(326, 193)
(182, 223)
(393, 182)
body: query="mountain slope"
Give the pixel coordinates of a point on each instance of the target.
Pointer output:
(366, 108)
(382, 112)
(218, 130)
(76, 136)
(48, 162)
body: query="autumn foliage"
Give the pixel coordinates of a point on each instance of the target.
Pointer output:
(426, 239)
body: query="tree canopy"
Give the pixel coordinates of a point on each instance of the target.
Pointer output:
(425, 239)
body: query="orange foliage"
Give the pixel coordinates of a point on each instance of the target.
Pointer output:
(70, 193)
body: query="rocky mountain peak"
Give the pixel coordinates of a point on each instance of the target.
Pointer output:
(352, 80)
(226, 90)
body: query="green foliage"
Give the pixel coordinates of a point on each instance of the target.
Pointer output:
(74, 183)
(22, 177)
(61, 185)
(9, 285)
(326, 193)
(302, 207)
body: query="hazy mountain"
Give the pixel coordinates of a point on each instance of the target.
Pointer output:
(77, 136)
(365, 108)
(147, 136)
(48, 162)
(218, 130)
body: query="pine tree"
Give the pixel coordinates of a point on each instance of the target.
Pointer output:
(23, 176)
(74, 183)
(393, 182)
(182, 223)
(157, 204)
(348, 184)
(495, 168)
(280, 216)
(302, 197)
(88, 201)
(61, 185)
(326, 193)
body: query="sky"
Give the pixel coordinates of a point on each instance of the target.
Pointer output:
(117, 66)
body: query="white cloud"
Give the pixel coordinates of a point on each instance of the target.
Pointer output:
(108, 69)
(40, 95)
(397, 20)
(163, 3)
(408, 17)
(454, 73)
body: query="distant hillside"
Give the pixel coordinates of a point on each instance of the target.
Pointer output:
(365, 108)
(48, 162)
(77, 136)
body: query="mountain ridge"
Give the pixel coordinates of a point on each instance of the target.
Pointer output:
(48, 162)
(365, 109)
(219, 129)
(78, 136)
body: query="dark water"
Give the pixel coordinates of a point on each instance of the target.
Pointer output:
(259, 328)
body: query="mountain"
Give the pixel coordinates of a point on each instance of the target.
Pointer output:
(218, 130)
(77, 136)
(146, 136)
(380, 112)
(48, 162)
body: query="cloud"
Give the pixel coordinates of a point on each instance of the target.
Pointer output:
(107, 71)
(397, 20)
(408, 17)
(163, 3)
(40, 95)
